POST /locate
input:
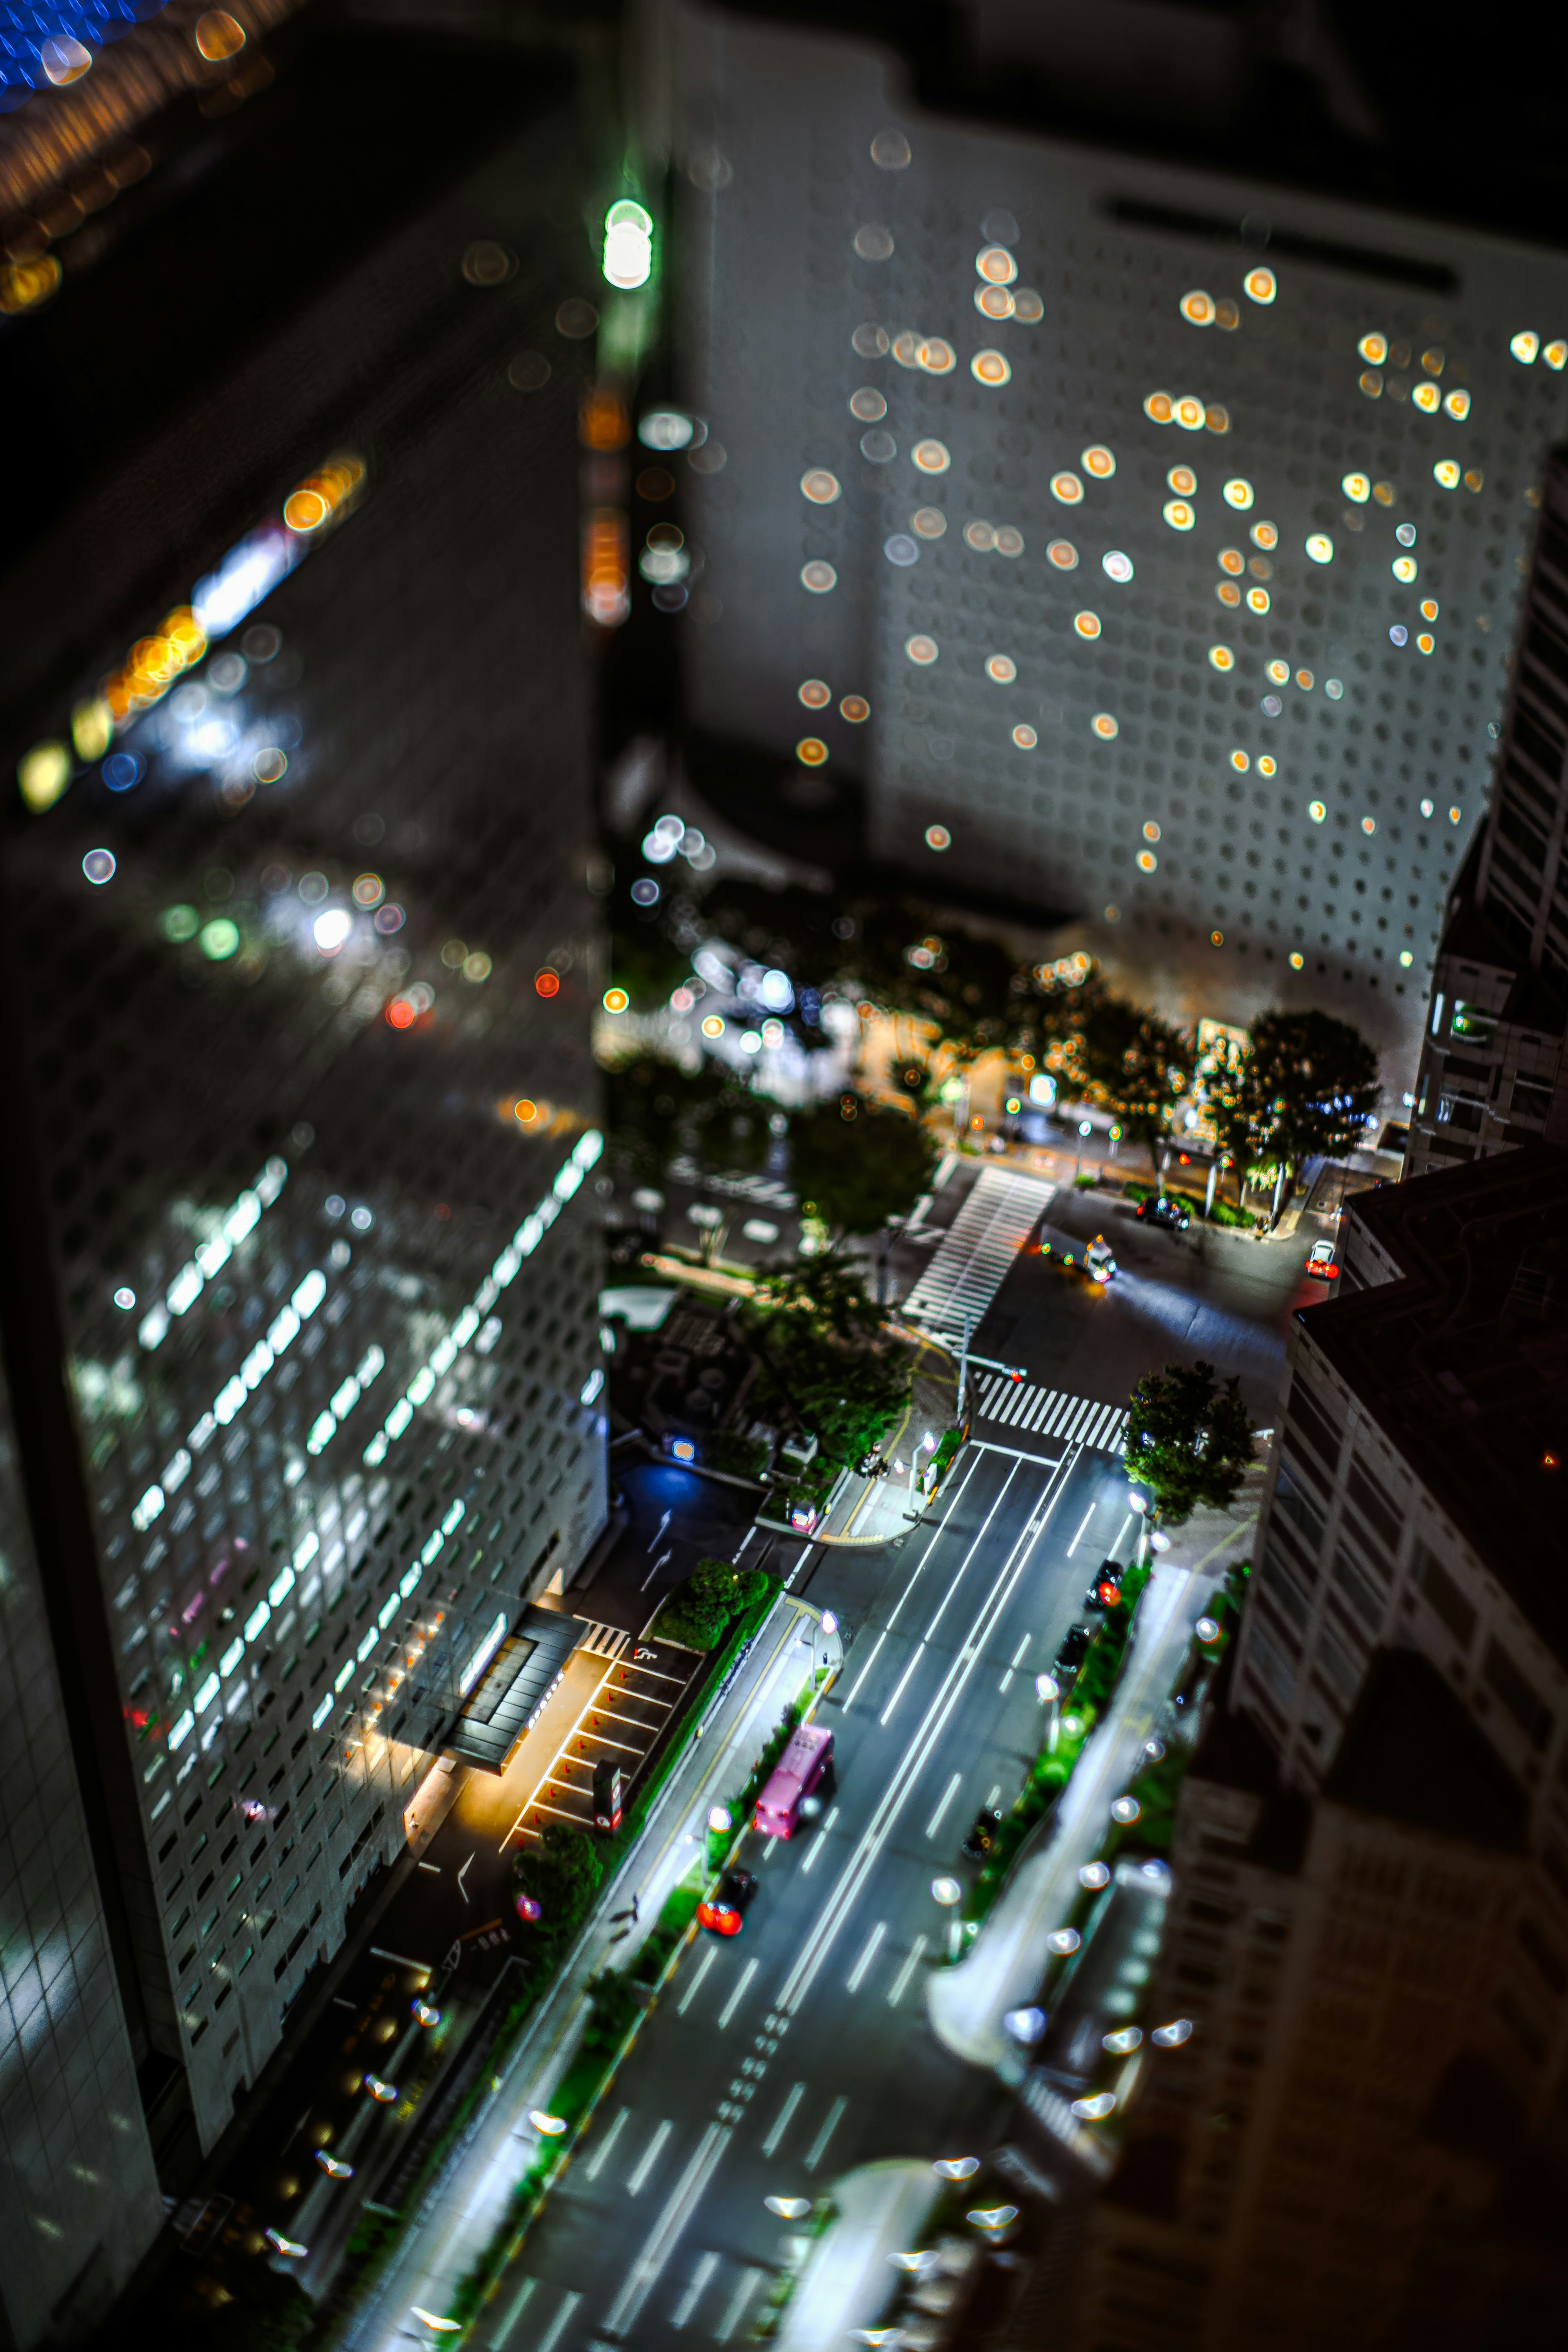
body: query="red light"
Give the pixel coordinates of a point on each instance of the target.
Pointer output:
(547, 982)
(401, 1014)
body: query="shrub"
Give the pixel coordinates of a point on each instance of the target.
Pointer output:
(699, 1611)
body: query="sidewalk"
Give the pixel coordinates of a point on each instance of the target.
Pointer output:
(460, 2216)
(1004, 1968)
(848, 2279)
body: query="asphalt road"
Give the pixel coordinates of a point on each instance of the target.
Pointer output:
(777, 2061)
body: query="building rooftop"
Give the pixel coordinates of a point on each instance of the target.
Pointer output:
(1463, 1359)
(1412, 1752)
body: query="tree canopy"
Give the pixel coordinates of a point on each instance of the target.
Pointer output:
(1189, 1439)
(1105, 1050)
(825, 1357)
(1306, 1085)
(699, 1611)
(857, 1163)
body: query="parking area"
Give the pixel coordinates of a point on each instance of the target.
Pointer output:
(637, 1695)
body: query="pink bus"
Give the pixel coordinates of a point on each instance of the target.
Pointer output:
(799, 1774)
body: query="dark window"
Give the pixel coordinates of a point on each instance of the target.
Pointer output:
(1307, 1421)
(1375, 1505)
(1284, 1588)
(1292, 1497)
(1515, 827)
(1352, 1582)
(1530, 1099)
(1520, 1695)
(1459, 1110)
(1540, 745)
(1445, 1596)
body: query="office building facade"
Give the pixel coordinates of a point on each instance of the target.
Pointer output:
(1492, 1072)
(78, 2195)
(1115, 541)
(1370, 1927)
(303, 945)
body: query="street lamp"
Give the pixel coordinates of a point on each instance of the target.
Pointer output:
(1048, 1690)
(948, 1892)
(1085, 1127)
(928, 1446)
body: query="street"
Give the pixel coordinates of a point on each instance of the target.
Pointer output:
(775, 2062)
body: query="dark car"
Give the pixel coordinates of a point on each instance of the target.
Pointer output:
(1106, 1589)
(1155, 1210)
(982, 1837)
(727, 1905)
(1073, 1650)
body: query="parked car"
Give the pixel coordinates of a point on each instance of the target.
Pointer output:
(725, 1911)
(1072, 1650)
(1321, 1267)
(1106, 1589)
(982, 1837)
(1160, 1210)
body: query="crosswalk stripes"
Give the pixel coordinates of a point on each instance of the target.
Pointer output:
(977, 1251)
(604, 1641)
(1049, 1412)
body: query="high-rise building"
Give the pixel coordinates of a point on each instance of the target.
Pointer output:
(1100, 535)
(301, 946)
(78, 2196)
(1492, 1063)
(1370, 1923)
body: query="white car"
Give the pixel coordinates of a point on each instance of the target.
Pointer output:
(1098, 1263)
(1320, 1265)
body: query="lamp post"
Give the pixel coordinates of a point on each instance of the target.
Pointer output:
(949, 1893)
(1048, 1690)
(1085, 1127)
(928, 1446)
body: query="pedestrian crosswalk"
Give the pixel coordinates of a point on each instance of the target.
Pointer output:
(975, 1256)
(1037, 1411)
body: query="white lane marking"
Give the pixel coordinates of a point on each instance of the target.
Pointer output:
(991, 1800)
(855, 1687)
(688, 2302)
(949, 1690)
(1078, 1538)
(948, 1793)
(936, 1538)
(1121, 1532)
(738, 1996)
(781, 2120)
(559, 2324)
(518, 2302)
(601, 2157)
(900, 1982)
(903, 1684)
(682, 2204)
(857, 1974)
(821, 1835)
(1017, 1661)
(918, 1652)
(737, 2303)
(698, 1973)
(648, 2160)
(818, 2146)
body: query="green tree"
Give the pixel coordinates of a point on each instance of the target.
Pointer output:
(1189, 1440)
(1307, 1084)
(702, 1608)
(825, 1359)
(562, 1873)
(1103, 1049)
(910, 962)
(857, 1162)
